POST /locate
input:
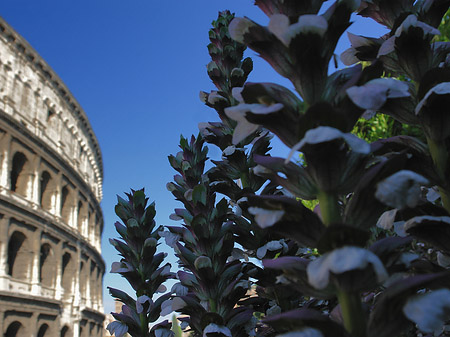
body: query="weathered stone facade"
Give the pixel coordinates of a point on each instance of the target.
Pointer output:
(51, 176)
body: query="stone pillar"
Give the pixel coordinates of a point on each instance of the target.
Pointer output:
(5, 145)
(76, 286)
(76, 328)
(57, 194)
(58, 280)
(35, 181)
(4, 278)
(34, 326)
(36, 248)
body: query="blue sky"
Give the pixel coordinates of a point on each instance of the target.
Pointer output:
(136, 67)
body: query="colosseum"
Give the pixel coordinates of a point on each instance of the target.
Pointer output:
(51, 223)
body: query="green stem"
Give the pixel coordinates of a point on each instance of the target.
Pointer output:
(144, 324)
(212, 305)
(244, 180)
(352, 313)
(439, 153)
(329, 208)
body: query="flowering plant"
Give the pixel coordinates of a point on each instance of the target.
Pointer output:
(372, 258)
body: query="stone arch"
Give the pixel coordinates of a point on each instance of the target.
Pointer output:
(42, 330)
(15, 329)
(68, 273)
(45, 192)
(47, 266)
(18, 176)
(19, 259)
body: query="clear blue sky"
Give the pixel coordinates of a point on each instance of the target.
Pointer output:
(136, 67)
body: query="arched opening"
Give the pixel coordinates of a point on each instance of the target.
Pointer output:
(18, 180)
(42, 330)
(81, 217)
(93, 284)
(18, 261)
(65, 331)
(45, 195)
(15, 329)
(83, 279)
(47, 266)
(66, 204)
(68, 273)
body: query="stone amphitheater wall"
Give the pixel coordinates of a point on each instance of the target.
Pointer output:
(51, 222)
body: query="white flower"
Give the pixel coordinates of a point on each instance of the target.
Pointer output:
(121, 267)
(324, 134)
(280, 27)
(117, 328)
(236, 92)
(429, 310)
(228, 151)
(179, 289)
(387, 47)
(170, 238)
(400, 190)
(340, 261)
(171, 305)
(271, 246)
(140, 302)
(348, 57)
(203, 128)
(215, 329)
(239, 27)
(411, 21)
(386, 220)
(266, 217)
(374, 94)
(244, 128)
(440, 89)
(214, 97)
(424, 218)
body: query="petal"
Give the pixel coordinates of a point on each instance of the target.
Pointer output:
(343, 260)
(387, 47)
(358, 40)
(215, 330)
(279, 26)
(243, 130)
(263, 109)
(117, 328)
(440, 89)
(348, 57)
(430, 310)
(239, 27)
(400, 190)
(266, 217)
(324, 134)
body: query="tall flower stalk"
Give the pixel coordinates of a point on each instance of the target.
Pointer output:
(141, 266)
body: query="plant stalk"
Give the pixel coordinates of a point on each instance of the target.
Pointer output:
(329, 208)
(439, 154)
(352, 313)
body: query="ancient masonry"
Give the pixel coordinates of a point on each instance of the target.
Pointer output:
(51, 176)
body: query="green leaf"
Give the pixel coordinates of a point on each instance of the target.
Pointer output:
(199, 194)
